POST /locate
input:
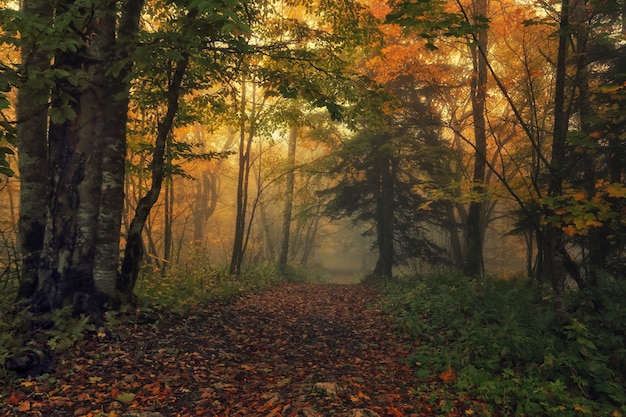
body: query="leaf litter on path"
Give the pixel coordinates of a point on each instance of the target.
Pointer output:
(294, 350)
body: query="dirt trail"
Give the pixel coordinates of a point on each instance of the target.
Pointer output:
(262, 355)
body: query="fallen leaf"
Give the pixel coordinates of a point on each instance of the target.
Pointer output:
(393, 411)
(283, 381)
(81, 411)
(24, 406)
(13, 399)
(125, 397)
(448, 376)
(83, 396)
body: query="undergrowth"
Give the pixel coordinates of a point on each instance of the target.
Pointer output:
(181, 288)
(201, 283)
(496, 342)
(23, 334)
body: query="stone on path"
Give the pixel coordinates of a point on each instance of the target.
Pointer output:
(328, 388)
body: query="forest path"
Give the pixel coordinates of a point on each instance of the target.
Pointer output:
(278, 353)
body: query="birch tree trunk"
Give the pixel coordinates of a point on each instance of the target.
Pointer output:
(84, 147)
(113, 151)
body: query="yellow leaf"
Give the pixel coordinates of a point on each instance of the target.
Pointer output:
(570, 230)
(425, 206)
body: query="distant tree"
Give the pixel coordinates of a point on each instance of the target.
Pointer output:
(289, 190)
(382, 178)
(302, 53)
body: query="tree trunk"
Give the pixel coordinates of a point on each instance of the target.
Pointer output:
(474, 263)
(553, 245)
(134, 251)
(112, 125)
(310, 235)
(32, 119)
(168, 215)
(289, 185)
(69, 247)
(452, 227)
(205, 203)
(240, 215)
(243, 180)
(598, 243)
(269, 243)
(84, 148)
(385, 224)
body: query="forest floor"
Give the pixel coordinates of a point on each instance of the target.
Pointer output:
(294, 350)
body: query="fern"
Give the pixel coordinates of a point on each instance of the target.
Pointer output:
(67, 330)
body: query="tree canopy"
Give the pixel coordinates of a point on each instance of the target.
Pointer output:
(439, 127)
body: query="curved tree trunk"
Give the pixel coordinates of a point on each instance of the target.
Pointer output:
(134, 251)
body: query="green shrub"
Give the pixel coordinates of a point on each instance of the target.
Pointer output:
(201, 283)
(500, 339)
(21, 331)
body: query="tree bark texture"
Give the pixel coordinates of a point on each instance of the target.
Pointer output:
(113, 151)
(84, 147)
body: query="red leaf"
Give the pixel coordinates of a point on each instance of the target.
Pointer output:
(13, 399)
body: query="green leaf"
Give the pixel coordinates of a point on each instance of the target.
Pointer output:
(59, 115)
